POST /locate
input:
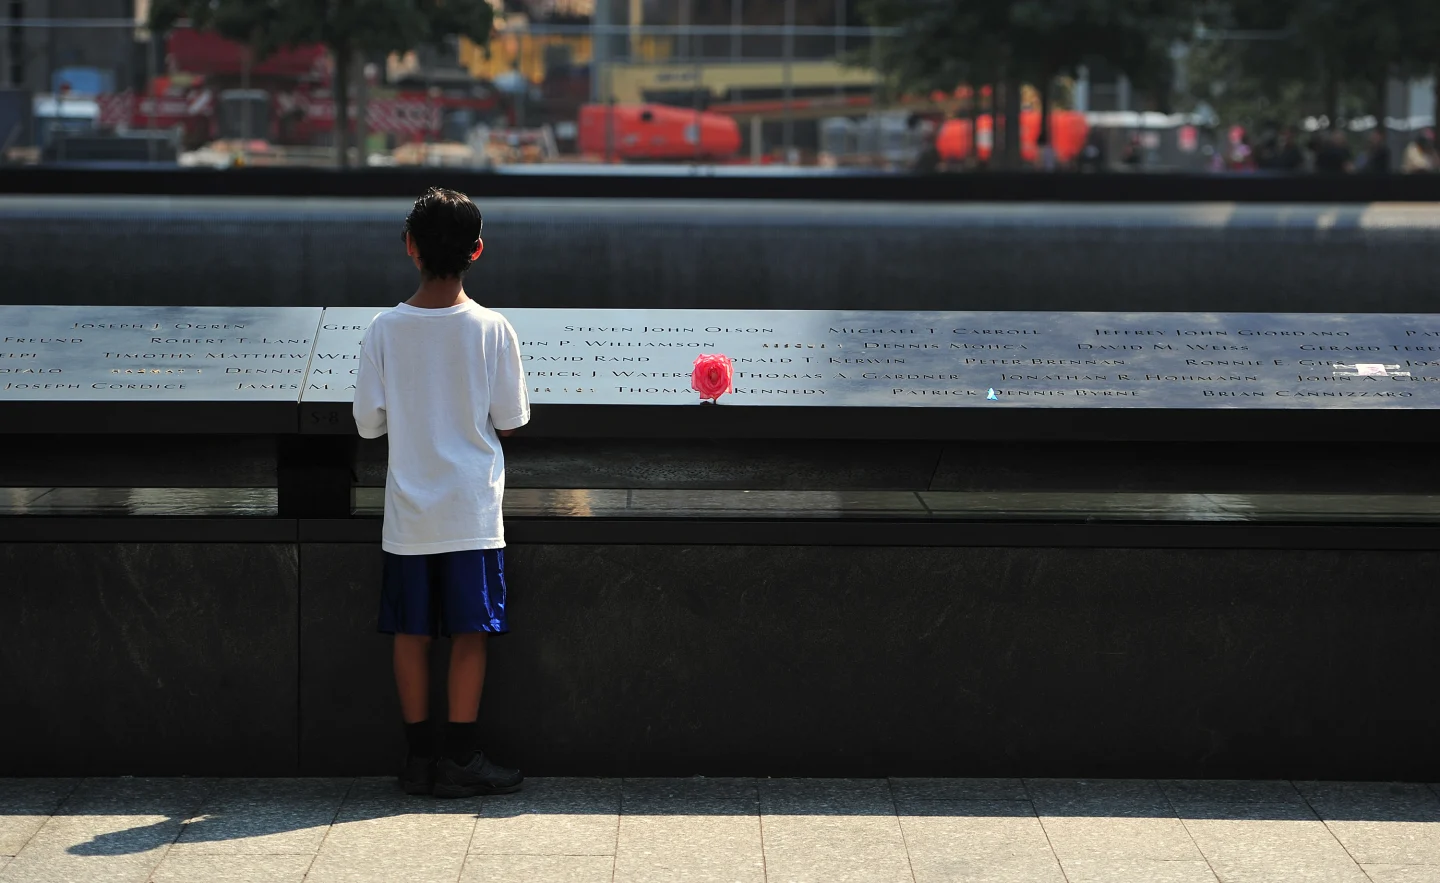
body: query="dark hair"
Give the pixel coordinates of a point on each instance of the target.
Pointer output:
(446, 227)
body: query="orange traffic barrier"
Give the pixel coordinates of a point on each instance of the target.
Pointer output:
(1068, 131)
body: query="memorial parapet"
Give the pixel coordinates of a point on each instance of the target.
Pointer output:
(138, 369)
(623, 369)
(798, 374)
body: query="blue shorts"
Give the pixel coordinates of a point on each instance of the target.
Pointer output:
(446, 594)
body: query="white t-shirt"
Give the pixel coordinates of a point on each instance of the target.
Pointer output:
(441, 382)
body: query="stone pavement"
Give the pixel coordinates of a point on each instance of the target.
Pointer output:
(731, 830)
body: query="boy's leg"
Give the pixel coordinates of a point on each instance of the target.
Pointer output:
(474, 606)
(464, 771)
(412, 676)
(468, 652)
(412, 682)
(407, 611)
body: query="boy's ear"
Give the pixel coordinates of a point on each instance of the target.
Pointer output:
(479, 248)
(410, 246)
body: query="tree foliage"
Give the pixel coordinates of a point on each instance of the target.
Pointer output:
(1251, 60)
(942, 44)
(349, 28)
(1322, 57)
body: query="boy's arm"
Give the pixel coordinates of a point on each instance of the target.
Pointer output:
(509, 403)
(369, 396)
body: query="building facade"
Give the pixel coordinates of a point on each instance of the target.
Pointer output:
(85, 44)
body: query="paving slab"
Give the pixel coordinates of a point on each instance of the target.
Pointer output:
(867, 797)
(831, 832)
(409, 866)
(1088, 870)
(384, 831)
(25, 805)
(119, 817)
(696, 839)
(1393, 842)
(200, 868)
(1273, 844)
(538, 869)
(994, 841)
(1364, 800)
(137, 795)
(264, 817)
(1112, 823)
(823, 788)
(1117, 838)
(695, 786)
(735, 830)
(1105, 797)
(382, 834)
(1380, 822)
(1402, 873)
(959, 789)
(556, 817)
(1218, 794)
(40, 866)
(565, 788)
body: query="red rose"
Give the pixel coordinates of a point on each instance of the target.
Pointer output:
(713, 376)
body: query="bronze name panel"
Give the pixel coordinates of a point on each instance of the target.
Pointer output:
(977, 360)
(64, 353)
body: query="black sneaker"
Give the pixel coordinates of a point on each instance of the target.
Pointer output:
(479, 776)
(418, 777)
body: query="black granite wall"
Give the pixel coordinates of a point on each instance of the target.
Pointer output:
(733, 254)
(762, 464)
(148, 659)
(1016, 465)
(729, 659)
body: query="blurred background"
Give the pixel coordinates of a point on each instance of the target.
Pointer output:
(787, 86)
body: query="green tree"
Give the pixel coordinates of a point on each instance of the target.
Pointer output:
(1420, 44)
(1298, 57)
(1134, 36)
(1251, 65)
(348, 28)
(942, 43)
(1354, 43)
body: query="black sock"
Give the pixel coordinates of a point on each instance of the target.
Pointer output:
(460, 741)
(420, 737)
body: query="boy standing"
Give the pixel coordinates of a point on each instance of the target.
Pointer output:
(442, 376)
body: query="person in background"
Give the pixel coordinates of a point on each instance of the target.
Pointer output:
(1313, 145)
(1048, 162)
(1377, 158)
(1242, 157)
(1092, 155)
(1290, 157)
(1420, 155)
(1332, 155)
(1267, 155)
(927, 159)
(1134, 156)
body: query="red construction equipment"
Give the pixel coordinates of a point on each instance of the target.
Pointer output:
(293, 92)
(656, 133)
